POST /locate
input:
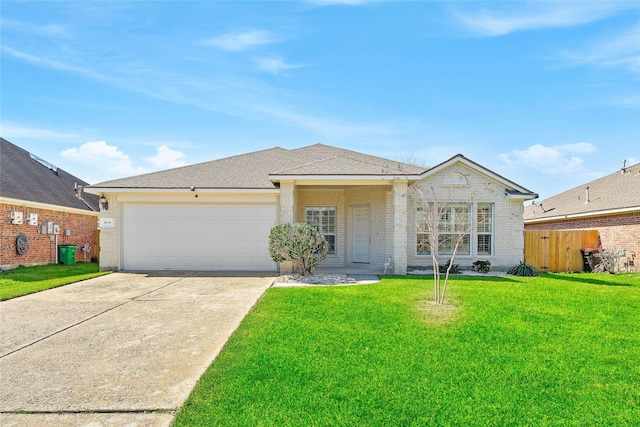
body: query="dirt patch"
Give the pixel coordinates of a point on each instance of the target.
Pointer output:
(439, 314)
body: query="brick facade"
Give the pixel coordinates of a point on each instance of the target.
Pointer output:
(42, 249)
(620, 231)
(344, 200)
(461, 184)
(387, 225)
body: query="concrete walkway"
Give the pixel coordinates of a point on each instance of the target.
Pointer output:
(121, 349)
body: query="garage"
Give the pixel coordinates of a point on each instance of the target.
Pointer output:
(197, 237)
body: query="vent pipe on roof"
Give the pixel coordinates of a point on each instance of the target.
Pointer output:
(587, 196)
(624, 167)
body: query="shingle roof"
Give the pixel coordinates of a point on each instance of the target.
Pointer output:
(23, 177)
(252, 170)
(324, 152)
(342, 166)
(617, 191)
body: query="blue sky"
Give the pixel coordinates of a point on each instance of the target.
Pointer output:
(546, 94)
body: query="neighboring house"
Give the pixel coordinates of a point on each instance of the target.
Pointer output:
(37, 200)
(217, 215)
(610, 205)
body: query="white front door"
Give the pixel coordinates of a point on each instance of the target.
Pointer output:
(361, 238)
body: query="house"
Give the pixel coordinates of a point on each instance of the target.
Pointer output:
(217, 215)
(610, 205)
(42, 206)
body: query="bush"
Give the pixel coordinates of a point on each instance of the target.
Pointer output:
(482, 266)
(523, 269)
(455, 268)
(299, 243)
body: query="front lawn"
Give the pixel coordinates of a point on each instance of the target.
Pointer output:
(559, 349)
(27, 280)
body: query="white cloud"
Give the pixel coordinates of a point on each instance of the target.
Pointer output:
(274, 64)
(552, 160)
(167, 158)
(578, 147)
(534, 15)
(241, 40)
(103, 156)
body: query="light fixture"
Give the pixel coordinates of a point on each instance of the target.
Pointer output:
(104, 202)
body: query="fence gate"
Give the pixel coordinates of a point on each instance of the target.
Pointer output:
(558, 250)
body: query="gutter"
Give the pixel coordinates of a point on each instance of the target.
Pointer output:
(583, 215)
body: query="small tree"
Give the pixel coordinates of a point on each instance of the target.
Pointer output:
(444, 223)
(299, 243)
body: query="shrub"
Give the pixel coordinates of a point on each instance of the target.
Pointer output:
(299, 243)
(481, 266)
(455, 268)
(523, 269)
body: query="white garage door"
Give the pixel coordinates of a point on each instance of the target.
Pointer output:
(202, 237)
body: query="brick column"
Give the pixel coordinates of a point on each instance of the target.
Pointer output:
(400, 227)
(287, 214)
(109, 236)
(287, 205)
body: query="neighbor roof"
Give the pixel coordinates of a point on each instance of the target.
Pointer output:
(253, 170)
(27, 177)
(617, 192)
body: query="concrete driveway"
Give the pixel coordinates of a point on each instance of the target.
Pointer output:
(121, 349)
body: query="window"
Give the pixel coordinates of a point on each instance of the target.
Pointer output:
(485, 228)
(324, 218)
(422, 234)
(454, 224)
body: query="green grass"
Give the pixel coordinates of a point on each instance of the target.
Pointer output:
(555, 350)
(27, 280)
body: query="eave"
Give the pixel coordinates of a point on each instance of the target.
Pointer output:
(100, 190)
(47, 206)
(583, 215)
(342, 179)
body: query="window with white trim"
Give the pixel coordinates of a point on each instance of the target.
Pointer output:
(456, 219)
(422, 234)
(454, 224)
(485, 229)
(324, 218)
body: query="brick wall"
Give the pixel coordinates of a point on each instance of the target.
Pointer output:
(616, 231)
(41, 248)
(344, 199)
(326, 197)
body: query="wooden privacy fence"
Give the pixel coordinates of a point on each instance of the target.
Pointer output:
(558, 250)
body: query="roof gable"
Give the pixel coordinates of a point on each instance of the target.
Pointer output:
(511, 188)
(619, 191)
(29, 178)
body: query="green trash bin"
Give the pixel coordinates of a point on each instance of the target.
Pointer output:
(68, 254)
